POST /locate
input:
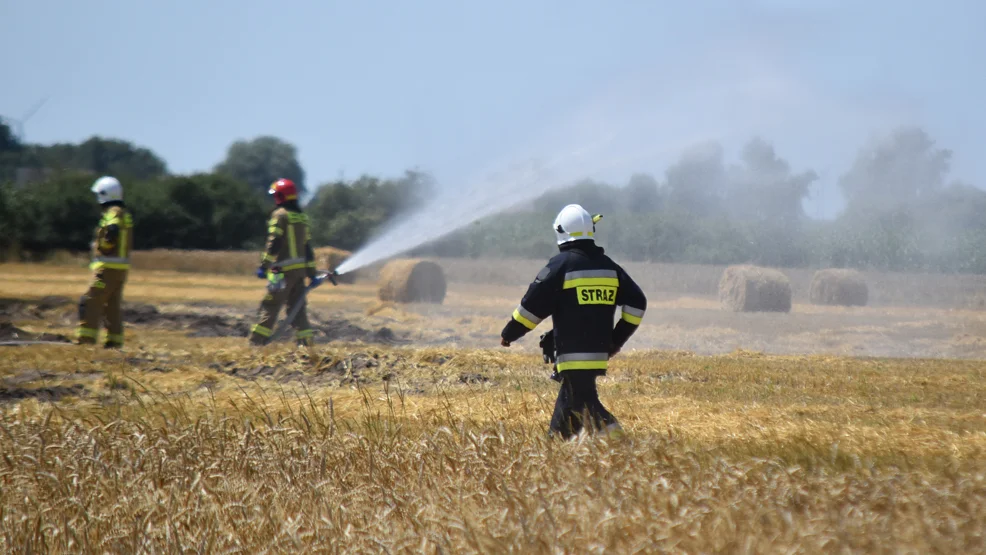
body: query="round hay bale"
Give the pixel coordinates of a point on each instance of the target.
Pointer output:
(747, 288)
(837, 287)
(411, 281)
(333, 258)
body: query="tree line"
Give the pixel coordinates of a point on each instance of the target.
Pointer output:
(903, 211)
(46, 204)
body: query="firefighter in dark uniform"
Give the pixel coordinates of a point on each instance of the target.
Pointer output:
(111, 246)
(287, 260)
(580, 289)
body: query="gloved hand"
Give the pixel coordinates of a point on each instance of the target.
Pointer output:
(261, 272)
(315, 281)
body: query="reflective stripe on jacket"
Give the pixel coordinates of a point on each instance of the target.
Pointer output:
(580, 290)
(289, 241)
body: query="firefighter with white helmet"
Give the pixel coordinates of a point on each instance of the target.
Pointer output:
(579, 289)
(110, 264)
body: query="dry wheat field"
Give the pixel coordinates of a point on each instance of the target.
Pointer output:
(822, 430)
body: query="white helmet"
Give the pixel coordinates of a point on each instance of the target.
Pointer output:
(107, 189)
(575, 223)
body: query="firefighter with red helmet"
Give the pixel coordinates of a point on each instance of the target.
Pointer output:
(287, 260)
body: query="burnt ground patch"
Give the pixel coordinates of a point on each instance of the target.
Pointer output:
(281, 374)
(20, 386)
(229, 322)
(11, 333)
(196, 320)
(45, 393)
(196, 323)
(28, 376)
(343, 330)
(47, 308)
(296, 368)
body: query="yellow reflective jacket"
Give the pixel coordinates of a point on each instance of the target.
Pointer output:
(114, 240)
(289, 242)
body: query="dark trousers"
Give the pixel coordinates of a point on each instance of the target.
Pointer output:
(578, 404)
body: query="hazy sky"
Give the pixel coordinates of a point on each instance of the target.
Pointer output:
(456, 86)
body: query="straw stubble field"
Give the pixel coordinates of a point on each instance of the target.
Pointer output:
(422, 439)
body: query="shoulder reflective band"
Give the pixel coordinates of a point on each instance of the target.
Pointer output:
(633, 315)
(604, 278)
(526, 317)
(582, 361)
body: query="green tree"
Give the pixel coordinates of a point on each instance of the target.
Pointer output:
(261, 161)
(763, 189)
(594, 196)
(8, 141)
(642, 194)
(99, 156)
(10, 153)
(899, 169)
(239, 218)
(9, 228)
(201, 211)
(697, 181)
(58, 213)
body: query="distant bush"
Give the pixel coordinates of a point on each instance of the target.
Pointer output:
(8, 221)
(902, 214)
(202, 211)
(897, 241)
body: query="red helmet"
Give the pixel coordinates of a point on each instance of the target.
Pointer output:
(283, 191)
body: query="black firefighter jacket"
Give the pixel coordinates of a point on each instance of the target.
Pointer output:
(580, 289)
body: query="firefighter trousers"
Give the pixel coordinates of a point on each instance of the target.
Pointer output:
(102, 301)
(578, 404)
(292, 293)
